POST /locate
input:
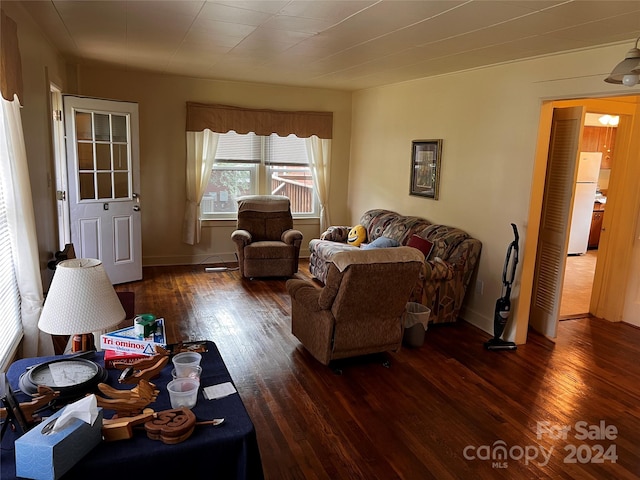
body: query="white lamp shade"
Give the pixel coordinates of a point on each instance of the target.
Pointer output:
(81, 299)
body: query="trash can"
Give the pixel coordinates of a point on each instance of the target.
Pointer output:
(416, 321)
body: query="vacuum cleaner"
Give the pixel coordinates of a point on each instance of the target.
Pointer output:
(503, 304)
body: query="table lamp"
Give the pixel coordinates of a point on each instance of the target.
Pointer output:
(81, 300)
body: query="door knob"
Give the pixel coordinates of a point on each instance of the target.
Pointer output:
(136, 208)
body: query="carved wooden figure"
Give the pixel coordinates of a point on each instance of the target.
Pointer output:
(127, 402)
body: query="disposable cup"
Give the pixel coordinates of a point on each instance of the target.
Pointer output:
(185, 362)
(183, 392)
(188, 372)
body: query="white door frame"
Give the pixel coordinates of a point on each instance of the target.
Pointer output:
(60, 163)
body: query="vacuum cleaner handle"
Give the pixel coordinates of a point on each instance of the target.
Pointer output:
(513, 248)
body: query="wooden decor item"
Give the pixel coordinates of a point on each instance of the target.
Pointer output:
(122, 428)
(171, 426)
(43, 396)
(143, 369)
(127, 402)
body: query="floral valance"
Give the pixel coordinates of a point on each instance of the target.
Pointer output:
(10, 63)
(223, 118)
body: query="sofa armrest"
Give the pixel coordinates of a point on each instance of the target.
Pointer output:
(304, 293)
(465, 258)
(292, 237)
(336, 234)
(241, 237)
(438, 269)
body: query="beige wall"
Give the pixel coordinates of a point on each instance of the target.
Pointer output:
(40, 65)
(488, 120)
(162, 108)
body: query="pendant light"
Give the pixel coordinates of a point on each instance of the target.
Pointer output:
(627, 71)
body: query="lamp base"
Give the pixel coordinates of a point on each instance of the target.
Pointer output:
(83, 342)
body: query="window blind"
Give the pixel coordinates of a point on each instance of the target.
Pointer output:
(238, 148)
(10, 324)
(288, 151)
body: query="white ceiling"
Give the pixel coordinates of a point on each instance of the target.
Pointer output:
(341, 44)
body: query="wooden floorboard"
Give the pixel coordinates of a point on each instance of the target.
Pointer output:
(416, 419)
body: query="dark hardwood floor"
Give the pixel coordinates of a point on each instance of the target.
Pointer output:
(442, 411)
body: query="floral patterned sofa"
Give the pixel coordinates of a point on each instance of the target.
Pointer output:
(445, 274)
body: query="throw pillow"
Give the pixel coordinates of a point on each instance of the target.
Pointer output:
(422, 244)
(357, 235)
(381, 242)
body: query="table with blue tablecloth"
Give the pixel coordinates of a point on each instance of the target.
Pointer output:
(226, 451)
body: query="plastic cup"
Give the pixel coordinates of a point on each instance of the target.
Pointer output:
(185, 362)
(183, 392)
(191, 372)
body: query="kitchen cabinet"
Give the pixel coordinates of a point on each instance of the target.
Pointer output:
(599, 139)
(596, 225)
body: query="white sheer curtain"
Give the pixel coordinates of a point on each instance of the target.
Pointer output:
(201, 153)
(319, 151)
(21, 220)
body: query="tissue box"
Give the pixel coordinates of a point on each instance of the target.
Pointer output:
(48, 457)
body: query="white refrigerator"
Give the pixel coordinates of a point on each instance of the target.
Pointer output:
(585, 195)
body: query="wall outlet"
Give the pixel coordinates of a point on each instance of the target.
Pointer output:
(479, 287)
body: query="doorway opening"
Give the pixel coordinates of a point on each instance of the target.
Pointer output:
(598, 138)
(546, 246)
(578, 285)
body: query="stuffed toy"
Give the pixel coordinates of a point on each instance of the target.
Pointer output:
(357, 235)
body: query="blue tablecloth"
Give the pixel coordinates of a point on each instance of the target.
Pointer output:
(227, 451)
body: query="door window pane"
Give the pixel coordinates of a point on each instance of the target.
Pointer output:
(103, 156)
(87, 188)
(103, 130)
(120, 157)
(85, 156)
(83, 126)
(119, 128)
(104, 185)
(121, 185)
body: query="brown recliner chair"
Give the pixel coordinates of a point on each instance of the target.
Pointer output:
(266, 242)
(360, 309)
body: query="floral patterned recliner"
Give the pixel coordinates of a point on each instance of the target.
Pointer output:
(445, 274)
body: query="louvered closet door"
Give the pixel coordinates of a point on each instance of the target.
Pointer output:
(554, 223)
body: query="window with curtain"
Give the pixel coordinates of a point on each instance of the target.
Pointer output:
(247, 164)
(281, 152)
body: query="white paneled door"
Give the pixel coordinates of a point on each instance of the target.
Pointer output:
(103, 184)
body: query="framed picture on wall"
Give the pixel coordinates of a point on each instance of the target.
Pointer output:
(425, 168)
